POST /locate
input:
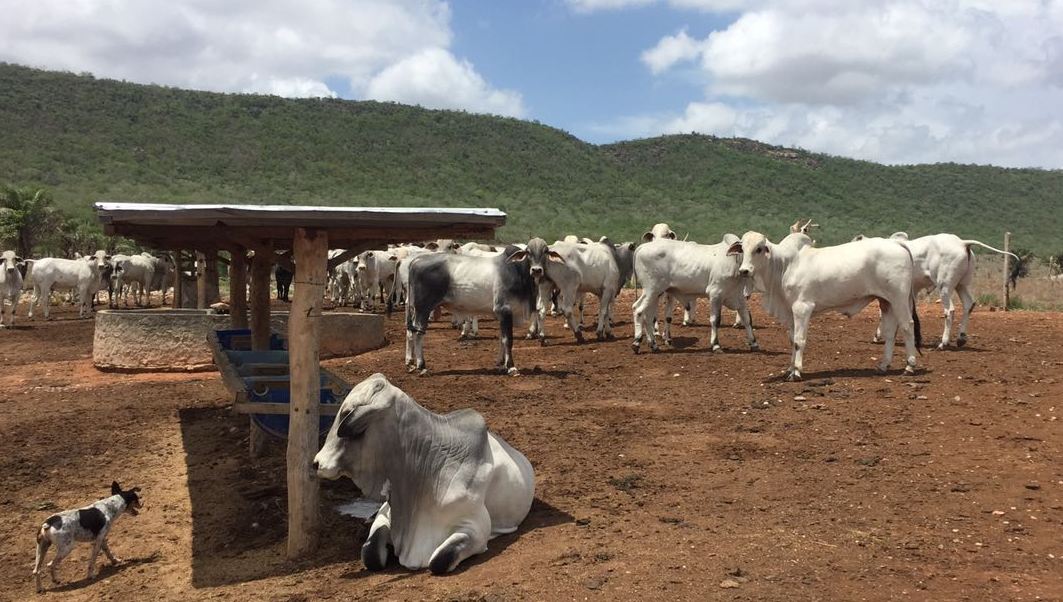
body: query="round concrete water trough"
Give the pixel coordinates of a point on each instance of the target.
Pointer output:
(175, 340)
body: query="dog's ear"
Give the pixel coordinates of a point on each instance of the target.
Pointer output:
(115, 488)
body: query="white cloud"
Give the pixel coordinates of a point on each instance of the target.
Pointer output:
(899, 81)
(589, 6)
(434, 78)
(267, 46)
(671, 50)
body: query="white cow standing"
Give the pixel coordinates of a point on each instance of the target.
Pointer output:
(80, 275)
(448, 484)
(944, 262)
(136, 273)
(376, 277)
(10, 287)
(798, 280)
(686, 271)
(575, 269)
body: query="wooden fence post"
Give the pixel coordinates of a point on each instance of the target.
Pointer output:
(177, 279)
(310, 249)
(1007, 270)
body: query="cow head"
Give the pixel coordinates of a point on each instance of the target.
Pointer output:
(356, 444)
(363, 261)
(755, 251)
(538, 254)
(10, 261)
(658, 231)
(99, 259)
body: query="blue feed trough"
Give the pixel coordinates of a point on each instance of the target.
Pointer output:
(263, 376)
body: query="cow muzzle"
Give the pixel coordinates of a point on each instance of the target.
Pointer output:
(537, 272)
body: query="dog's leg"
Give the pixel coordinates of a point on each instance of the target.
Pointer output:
(110, 556)
(43, 543)
(96, 545)
(62, 550)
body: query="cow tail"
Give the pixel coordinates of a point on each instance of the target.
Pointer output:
(916, 327)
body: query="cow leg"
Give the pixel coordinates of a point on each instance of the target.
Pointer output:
(878, 331)
(715, 313)
(505, 328)
(746, 319)
(689, 311)
(889, 332)
(605, 329)
(949, 310)
(967, 301)
(456, 548)
(475, 320)
(669, 310)
(47, 302)
(568, 308)
(802, 316)
(636, 318)
(375, 552)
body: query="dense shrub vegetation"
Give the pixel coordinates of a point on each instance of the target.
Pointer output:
(84, 140)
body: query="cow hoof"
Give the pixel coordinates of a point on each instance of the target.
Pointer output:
(423, 372)
(513, 372)
(793, 376)
(882, 369)
(636, 348)
(542, 341)
(655, 349)
(960, 342)
(529, 336)
(909, 370)
(667, 342)
(717, 349)
(941, 346)
(754, 346)
(876, 340)
(690, 323)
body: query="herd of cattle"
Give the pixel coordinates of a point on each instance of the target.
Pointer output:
(519, 283)
(448, 484)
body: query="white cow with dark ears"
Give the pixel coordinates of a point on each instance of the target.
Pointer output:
(448, 484)
(10, 286)
(798, 280)
(91, 523)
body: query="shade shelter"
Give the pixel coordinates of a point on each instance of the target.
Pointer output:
(308, 233)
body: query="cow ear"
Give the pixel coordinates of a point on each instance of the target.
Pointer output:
(518, 256)
(368, 254)
(393, 258)
(455, 246)
(735, 248)
(432, 246)
(555, 257)
(115, 488)
(353, 425)
(631, 246)
(647, 237)
(671, 235)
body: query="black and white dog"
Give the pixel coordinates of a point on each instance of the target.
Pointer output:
(91, 523)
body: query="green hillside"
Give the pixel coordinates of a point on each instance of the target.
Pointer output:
(88, 139)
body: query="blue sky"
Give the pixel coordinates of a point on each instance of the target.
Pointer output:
(893, 81)
(575, 70)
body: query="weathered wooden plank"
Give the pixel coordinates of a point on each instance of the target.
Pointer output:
(238, 288)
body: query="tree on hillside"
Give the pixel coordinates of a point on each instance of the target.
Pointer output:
(74, 235)
(26, 215)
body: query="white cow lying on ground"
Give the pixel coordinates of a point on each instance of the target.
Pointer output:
(798, 280)
(80, 275)
(944, 262)
(10, 286)
(448, 484)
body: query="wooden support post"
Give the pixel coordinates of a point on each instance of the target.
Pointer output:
(1007, 270)
(311, 255)
(261, 265)
(177, 278)
(201, 280)
(210, 266)
(238, 287)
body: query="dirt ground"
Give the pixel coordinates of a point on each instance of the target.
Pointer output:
(683, 475)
